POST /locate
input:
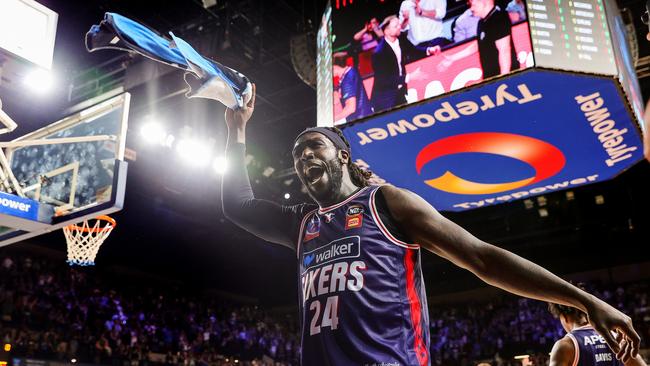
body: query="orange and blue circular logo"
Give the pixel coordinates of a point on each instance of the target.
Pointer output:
(529, 134)
(546, 160)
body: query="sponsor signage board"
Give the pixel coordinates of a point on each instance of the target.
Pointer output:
(529, 134)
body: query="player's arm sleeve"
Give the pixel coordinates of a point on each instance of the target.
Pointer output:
(265, 219)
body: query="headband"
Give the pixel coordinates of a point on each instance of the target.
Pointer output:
(333, 136)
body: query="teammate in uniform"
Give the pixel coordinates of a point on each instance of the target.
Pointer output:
(582, 345)
(362, 296)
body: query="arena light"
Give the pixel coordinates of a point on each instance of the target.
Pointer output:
(268, 171)
(287, 196)
(194, 152)
(7, 347)
(40, 81)
(74, 360)
(153, 132)
(220, 165)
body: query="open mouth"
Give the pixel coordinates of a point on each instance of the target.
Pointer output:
(314, 173)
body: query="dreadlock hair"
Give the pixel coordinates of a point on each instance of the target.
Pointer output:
(359, 176)
(557, 309)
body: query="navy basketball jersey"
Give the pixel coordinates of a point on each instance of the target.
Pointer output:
(591, 348)
(362, 300)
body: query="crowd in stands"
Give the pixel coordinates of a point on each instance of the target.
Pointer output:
(50, 311)
(53, 312)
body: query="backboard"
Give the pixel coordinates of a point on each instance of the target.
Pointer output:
(68, 171)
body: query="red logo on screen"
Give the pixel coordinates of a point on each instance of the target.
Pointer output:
(546, 159)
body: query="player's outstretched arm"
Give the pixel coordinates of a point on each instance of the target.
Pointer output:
(563, 353)
(506, 270)
(265, 219)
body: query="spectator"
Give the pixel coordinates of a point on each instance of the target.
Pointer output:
(422, 20)
(464, 26)
(494, 42)
(354, 98)
(389, 64)
(368, 36)
(516, 11)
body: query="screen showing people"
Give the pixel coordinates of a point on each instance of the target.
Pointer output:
(390, 53)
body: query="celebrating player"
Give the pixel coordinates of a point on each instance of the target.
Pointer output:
(362, 296)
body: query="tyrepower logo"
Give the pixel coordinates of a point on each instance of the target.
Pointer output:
(546, 160)
(14, 205)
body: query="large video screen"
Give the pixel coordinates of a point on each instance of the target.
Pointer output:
(572, 35)
(624, 58)
(390, 53)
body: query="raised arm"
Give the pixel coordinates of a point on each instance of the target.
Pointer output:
(503, 269)
(265, 219)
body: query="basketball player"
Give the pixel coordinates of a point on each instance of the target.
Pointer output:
(582, 345)
(362, 296)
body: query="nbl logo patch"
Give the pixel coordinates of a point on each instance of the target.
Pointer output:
(354, 217)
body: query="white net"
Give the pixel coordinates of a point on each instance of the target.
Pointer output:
(85, 239)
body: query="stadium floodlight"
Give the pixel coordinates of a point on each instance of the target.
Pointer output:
(153, 132)
(39, 80)
(194, 152)
(220, 165)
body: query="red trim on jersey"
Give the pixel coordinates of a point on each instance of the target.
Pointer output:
(419, 345)
(302, 227)
(337, 205)
(382, 228)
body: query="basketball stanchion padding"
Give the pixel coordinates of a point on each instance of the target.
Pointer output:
(85, 239)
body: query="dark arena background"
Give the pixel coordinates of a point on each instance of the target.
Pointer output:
(540, 153)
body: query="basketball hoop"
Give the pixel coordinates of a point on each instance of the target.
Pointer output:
(84, 240)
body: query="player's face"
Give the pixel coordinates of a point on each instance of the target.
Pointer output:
(317, 165)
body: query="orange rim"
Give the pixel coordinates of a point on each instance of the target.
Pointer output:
(108, 219)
